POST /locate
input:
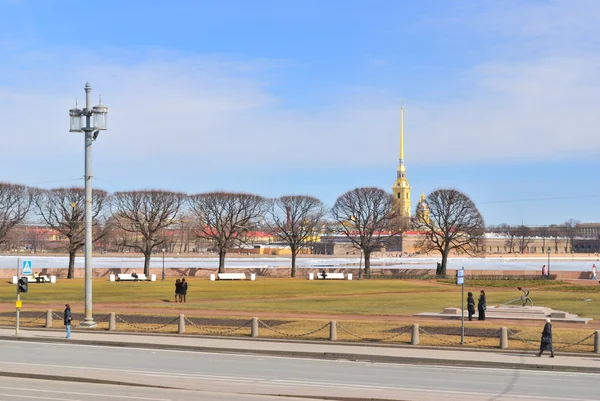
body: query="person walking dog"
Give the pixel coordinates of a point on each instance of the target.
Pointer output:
(67, 320)
(546, 342)
(481, 306)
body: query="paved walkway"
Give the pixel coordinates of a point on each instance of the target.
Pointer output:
(510, 359)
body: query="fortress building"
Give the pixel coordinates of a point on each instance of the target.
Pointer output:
(401, 188)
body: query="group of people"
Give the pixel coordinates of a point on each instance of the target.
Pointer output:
(481, 305)
(181, 287)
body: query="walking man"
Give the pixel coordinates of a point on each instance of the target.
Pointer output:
(67, 319)
(594, 273)
(184, 286)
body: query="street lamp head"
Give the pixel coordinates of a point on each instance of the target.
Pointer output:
(549, 251)
(100, 113)
(75, 115)
(163, 250)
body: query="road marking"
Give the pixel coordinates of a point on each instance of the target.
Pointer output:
(36, 398)
(128, 397)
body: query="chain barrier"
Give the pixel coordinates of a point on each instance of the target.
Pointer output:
(483, 338)
(569, 345)
(143, 328)
(56, 316)
(292, 335)
(512, 335)
(31, 320)
(374, 340)
(436, 336)
(217, 332)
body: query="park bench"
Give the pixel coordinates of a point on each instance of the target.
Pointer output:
(38, 279)
(330, 276)
(231, 276)
(129, 277)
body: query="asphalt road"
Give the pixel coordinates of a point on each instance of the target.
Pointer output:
(229, 376)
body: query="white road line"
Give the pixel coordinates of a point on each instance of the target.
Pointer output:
(89, 394)
(35, 398)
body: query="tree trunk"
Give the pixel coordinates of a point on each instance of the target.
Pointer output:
(441, 270)
(367, 256)
(147, 256)
(222, 253)
(294, 252)
(71, 271)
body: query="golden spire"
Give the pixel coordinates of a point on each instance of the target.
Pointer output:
(402, 134)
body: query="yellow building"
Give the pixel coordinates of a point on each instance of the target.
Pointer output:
(423, 210)
(401, 188)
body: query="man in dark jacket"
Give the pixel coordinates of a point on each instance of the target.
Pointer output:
(184, 287)
(481, 306)
(546, 343)
(471, 305)
(67, 319)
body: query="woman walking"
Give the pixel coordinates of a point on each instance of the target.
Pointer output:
(471, 305)
(481, 306)
(67, 320)
(546, 343)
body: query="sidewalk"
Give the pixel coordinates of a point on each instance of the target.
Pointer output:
(507, 359)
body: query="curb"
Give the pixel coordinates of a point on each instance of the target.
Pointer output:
(317, 355)
(39, 376)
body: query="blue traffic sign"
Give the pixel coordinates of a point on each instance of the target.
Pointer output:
(27, 267)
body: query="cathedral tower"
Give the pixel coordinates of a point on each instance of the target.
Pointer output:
(401, 188)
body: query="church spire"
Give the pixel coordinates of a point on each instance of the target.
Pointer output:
(402, 135)
(401, 188)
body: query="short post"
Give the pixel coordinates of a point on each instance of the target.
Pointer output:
(597, 342)
(332, 330)
(181, 324)
(503, 338)
(254, 329)
(112, 321)
(415, 334)
(48, 318)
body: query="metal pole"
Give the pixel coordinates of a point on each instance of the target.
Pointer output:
(18, 298)
(462, 310)
(88, 320)
(548, 263)
(360, 264)
(163, 272)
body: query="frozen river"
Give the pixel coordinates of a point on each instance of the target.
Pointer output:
(490, 263)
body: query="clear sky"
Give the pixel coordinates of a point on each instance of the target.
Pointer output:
(302, 97)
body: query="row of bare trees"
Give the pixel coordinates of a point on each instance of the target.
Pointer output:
(137, 220)
(518, 238)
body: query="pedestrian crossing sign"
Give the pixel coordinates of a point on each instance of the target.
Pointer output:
(26, 267)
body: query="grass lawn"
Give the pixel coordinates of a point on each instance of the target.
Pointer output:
(365, 297)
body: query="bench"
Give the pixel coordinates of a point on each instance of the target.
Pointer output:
(330, 276)
(39, 279)
(129, 277)
(231, 276)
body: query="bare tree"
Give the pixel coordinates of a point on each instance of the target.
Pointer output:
(367, 217)
(226, 219)
(511, 234)
(63, 209)
(523, 234)
(544, 232)
(143, 215)
(296, 221)
(455, 224)
(15, 201)
(570, 232)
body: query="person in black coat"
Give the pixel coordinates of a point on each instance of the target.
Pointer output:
(67, 319)
(546, 343)
(184, 287)
(481, 306)
(178, 290)
(471, 305)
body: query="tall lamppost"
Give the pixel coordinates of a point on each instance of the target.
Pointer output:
(95, 121)
(549, 262)
(163, 275)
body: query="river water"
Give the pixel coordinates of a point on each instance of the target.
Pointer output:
(490, 263)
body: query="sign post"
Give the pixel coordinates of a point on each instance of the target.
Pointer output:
(18, 303)
(460, 280)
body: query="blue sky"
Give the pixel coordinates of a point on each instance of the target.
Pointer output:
(282, 97)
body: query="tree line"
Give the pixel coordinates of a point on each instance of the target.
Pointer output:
(137, 220)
